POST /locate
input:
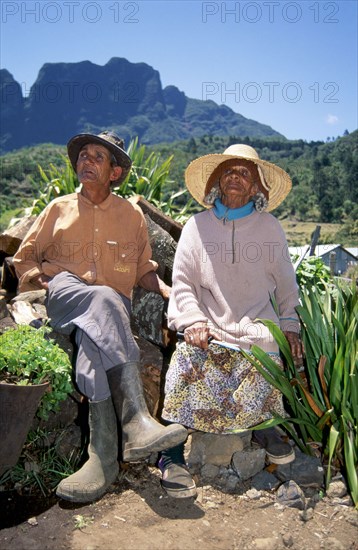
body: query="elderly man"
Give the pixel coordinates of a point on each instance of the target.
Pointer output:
(89, 250)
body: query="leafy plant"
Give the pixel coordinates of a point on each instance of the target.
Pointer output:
(28, 356)
(55, 183)
(313, 272)
(82, 521)
(40, 467)
(323, 402)
(148, 173)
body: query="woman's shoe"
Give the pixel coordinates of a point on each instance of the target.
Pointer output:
(176, 478)
(277, 450)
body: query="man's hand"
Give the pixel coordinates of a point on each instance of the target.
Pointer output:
(296, 347)
(150, 281)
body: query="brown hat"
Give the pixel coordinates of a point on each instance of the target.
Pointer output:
(111, 141)
(273, 178)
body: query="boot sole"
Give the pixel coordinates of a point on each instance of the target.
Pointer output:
(83, 497)
(164, 441)
(290, 457)
(190, 492)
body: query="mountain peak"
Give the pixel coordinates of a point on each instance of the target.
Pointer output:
(69, 98)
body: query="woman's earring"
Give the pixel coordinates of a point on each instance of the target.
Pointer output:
(213, 194)
(260, 201)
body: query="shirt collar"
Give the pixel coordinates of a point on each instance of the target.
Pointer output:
(104, 205)
(225, 213)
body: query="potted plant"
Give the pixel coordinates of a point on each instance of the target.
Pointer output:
(35, 375)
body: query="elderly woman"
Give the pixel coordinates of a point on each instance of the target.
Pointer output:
(231, 260)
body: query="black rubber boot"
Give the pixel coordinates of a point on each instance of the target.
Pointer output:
(176, 478)
(101, 468)
(141, 434)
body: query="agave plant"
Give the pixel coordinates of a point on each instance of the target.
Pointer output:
(323, 401)
(148, 174)
(55, 182)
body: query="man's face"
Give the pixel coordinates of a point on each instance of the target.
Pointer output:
(94, 166)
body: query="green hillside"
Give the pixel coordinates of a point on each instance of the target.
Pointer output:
(324, 176)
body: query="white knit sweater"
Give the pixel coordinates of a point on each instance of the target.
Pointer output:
(225, 272)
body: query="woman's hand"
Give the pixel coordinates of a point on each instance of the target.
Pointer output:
(198, 335)
(296, 347)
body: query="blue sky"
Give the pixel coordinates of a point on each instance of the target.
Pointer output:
(289, 64)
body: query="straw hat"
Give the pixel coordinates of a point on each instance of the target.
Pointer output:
(273, 179)
(110, 140)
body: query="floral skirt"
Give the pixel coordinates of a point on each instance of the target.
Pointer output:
(218, 390)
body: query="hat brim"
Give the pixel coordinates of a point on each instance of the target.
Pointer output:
(200, 169)
(76, 143)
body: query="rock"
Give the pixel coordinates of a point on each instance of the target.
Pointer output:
(23, 312)
(151, 363)
(166, 222)
(253, 494)
(4, 312)
(163, 248)
(336, 489)
(230, 484)
(6, 323)
(344, 501)
(291, 495)
(72, 410)
(265, 481)
(305, 470)
(70, 441)
(148, 310)
(11, 239)
(287, 540)
(209, 471)
(248, 462)
(334, 544)
(269, 543)
(9, 278)
(306, 515)
(32, 297)
(207, 448)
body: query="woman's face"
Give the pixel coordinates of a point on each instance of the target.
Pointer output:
(238, 183)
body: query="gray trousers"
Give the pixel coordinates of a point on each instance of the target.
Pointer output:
(100, 317)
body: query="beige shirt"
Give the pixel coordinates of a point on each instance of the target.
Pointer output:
(225, 274)
(104, 244)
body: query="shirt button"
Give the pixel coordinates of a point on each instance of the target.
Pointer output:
(96, 229)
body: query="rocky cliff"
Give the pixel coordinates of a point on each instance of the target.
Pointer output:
(69, 98)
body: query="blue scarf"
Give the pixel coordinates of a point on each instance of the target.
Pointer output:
(227, 214)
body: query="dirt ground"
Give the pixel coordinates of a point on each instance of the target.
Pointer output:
(136, 514)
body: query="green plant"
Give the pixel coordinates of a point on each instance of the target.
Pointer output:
(40, 467)
(82, 521)
(313, 272)
(174, 210)
(323, 403)
(55, 183)
(147, 176)
(29, 356)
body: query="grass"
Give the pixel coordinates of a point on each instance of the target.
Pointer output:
(300, 233)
